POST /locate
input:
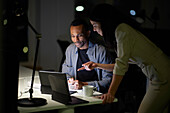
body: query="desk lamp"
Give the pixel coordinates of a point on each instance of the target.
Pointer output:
(31, 102)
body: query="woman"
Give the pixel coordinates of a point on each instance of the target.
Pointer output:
(132, 46)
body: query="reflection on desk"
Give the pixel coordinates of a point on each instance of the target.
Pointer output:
(51, 104)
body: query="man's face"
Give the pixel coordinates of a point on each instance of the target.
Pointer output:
(79, 36)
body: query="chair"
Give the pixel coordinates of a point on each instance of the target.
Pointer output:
(63, 45)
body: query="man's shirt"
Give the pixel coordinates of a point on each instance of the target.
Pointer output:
(96, 53)
(85, 75)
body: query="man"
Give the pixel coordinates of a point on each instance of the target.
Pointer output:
(82, 51)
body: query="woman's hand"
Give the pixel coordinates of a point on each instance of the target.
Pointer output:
(91, 65)
(88, 66)
(107, 98)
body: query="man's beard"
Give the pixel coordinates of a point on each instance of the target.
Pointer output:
(80, 44)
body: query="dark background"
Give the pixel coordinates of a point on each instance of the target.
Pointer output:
(16, 36)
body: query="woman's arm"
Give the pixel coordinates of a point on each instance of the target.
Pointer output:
(91, 65)
(108, 67)
(109, 97)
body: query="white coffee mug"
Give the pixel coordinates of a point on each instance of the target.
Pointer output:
(88, 90)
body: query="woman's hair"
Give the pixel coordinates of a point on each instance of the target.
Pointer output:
(109, 17)
(106, 14)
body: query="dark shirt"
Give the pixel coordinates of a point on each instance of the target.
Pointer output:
(85, 75)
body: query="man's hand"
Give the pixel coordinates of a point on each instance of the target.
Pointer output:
(76, 84)
(79, 84)
(71, 81)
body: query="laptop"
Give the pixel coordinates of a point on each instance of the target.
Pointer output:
(60, 90)
(44, 81)
(45, 84)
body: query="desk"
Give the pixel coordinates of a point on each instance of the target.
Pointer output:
(51, 104)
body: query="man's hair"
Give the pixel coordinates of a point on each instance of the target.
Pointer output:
(78, 22)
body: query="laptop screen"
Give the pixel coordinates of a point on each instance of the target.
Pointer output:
(45, 83)
(58, 83)
(59, 86)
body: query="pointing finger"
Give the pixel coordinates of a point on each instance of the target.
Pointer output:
(82, 68)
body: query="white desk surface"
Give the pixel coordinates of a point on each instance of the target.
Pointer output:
(24, 84)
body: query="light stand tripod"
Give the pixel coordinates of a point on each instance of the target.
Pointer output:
(33, 102)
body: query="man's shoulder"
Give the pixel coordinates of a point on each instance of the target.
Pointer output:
(99, 46)
(71, 46)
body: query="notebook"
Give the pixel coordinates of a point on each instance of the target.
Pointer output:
(60, 91)
(45, 84)
(44, 81)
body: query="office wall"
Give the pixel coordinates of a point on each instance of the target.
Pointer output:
(55, 21)
(51, 18)
(149, 6)
(163, 10)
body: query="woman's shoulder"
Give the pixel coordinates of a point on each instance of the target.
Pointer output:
(122, 30)
(123, 27)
